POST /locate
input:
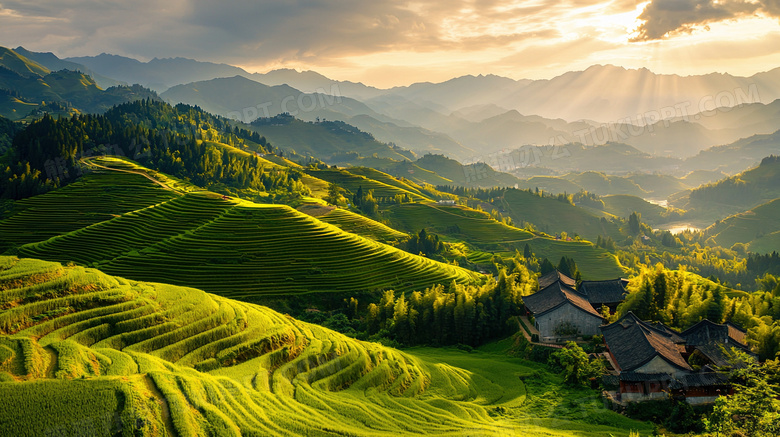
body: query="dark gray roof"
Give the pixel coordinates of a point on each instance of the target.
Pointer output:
(674, 335)
(555, 276)
(634, 343)
(707, 332)
(642, 377)
(610, 380)
(704, 379)
(715, 353)
(600, 292)
(554, 296)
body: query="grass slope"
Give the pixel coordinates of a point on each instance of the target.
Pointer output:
(353, 181)
(234, 248)
(553, 216)
(94, 198)
(623, 205)
(354, 223)
(85, 353)
(485, 233)
(759, 228)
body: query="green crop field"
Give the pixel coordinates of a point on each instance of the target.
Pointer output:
(352, 182)
(84, 353)
(230, 247)
(488, 235)
(94, 198)
(389, 180)
(361, 225)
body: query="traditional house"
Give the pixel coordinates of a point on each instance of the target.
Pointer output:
(637, 346)
(553, 277)
(559, 311)
(653, 360)
(607, 293)
(604, 293)
(705, 342)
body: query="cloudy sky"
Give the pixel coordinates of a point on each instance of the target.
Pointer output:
(397, 42)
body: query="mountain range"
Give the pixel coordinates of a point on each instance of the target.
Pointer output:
(470, 118)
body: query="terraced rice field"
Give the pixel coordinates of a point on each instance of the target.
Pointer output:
(554, 217)
(352, 222)
(241, 250)
(387, 179)
(84, 353)
(487, 234)
(360, 225)
(758, 227)
(94, 198)
(352, 182)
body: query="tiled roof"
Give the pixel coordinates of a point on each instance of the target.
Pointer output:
(642, 377)
(706, 332)
(704, 379)
(611, 291)
(555, 276)
(555, 295)
(674, 335)
(634, 343)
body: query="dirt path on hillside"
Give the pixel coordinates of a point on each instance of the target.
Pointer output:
(88, 161)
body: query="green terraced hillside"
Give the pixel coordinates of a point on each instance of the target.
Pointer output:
(352, 182)
(234, 248)
(92, 199)
(385, 178)
(352, 222)
(83, 353)
(759, 228)
(481, 230)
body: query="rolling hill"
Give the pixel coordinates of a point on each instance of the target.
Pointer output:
(27, 84)
(334, 142)
(200, 239)
(245, 100)
(104, 355)
(733, 195)
(554, 216)
(53, 63)
(758, 228)
(485, 234)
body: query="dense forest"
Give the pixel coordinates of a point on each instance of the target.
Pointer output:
(181, 141)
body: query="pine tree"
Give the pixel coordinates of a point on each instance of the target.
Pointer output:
(546, 267)
(633, 223)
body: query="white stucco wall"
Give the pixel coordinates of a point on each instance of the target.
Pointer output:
(659, 365)
(587, 324)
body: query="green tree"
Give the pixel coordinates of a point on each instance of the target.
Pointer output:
(633, 223)
(334, 194)
(527, 254)
(753, 409)
(546, 267)
(575, 366)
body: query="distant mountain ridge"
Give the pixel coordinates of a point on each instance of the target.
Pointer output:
(53, 63)
(27, 86)
(489, 113)
(244, 99)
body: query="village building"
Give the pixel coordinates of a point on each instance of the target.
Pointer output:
(560, 312)
(555, 276)
(653, 361)
(609, 293)
(604, 293)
